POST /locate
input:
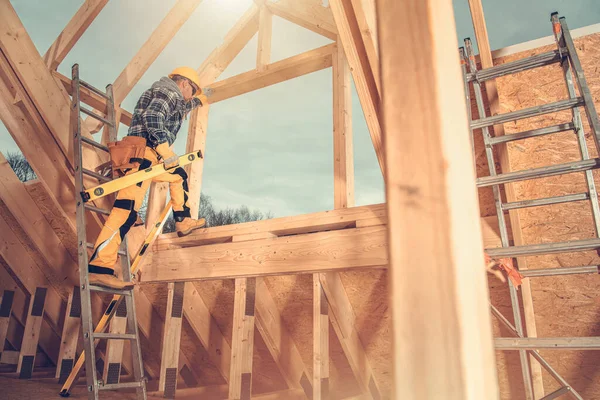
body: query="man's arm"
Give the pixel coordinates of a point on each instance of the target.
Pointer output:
(190, 105)
(161, 105)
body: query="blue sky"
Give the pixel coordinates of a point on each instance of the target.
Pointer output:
(270, 149)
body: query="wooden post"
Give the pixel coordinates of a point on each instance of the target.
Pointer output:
(70, 336)
(242, 342)
(157, 199)
(114, 348)
(320, 341)
(5, 313)
(265, 28)
(169, 365)
(196, 141)
(485, 55)
(441, 322)
(31, 334)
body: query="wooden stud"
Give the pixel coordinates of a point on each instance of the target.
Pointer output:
(70, 336)
(6, 305)
(157, 200)
(196, 140)
(430, 190)
(171, 340)
(485, 55)
(69, 36)
(265, 31)
(242, 341)
(111, 373)
(320, 341)
(364, 77)
(280, 71)
(31, 334)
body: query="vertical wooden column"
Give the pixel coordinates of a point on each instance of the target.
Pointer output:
(320, 341)
(169, 365)
(441, 322)
(157, 200)
(196, 141)
(31, 335)
(242, 342)
(70, 336)
(265, 28)
(485, 55)
(114, 348)
(6, 305)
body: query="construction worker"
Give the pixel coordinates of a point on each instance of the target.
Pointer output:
(156, 120)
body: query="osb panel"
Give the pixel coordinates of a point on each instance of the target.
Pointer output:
(568, 305)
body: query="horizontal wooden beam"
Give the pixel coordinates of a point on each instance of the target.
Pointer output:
(280, 71)
(82, 19)
(318, 20)
(91, 99)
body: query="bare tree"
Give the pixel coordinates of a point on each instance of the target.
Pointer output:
(21, 167)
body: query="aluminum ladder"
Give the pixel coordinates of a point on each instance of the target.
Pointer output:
(566, 55)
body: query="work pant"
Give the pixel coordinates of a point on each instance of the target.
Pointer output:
(125, 209)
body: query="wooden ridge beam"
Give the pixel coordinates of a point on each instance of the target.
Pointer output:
(364, 77)
(431, 194)
(66, 40)
(280, 71)
(242, 341)
(317, 19)
(486, 59)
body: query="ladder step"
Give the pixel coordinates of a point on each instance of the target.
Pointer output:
(527, 113)
(545, 201)
(514, 67)
(96, 209)
(532, 133)
(114, 336)
(124, 292)
(586, 269)
(91, 246)
(117, 386)
(96, 175)
(93, 89)
(96, 116)
(559, 169)
(94, 143)
(544, 248)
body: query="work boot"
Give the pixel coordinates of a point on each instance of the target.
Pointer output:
(187, 225)
(109, 281)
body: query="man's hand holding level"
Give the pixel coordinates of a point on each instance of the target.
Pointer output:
(169, 157)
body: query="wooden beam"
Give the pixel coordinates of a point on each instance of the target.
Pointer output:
(157, 200)
(111, 373)
(320, 341)
(70, 336)
(171, 339)
(364, 11)
(235, 40)
(205, 326)
(242, 341)
(279, 341)
(316, 19)
(353, 248)
(430, 189)
(6, 305)
(31, 335)
(265, 31)
(196, 140)
(155, 44)
(485, 55)
(280, 71)
(82, 19)
(364, 77)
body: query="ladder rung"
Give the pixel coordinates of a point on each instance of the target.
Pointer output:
(96, 209)
(545, 201)
(586, 269)
(93, 89)
(96, 175)
(527, 113)
(91, 246)
(544, 248)
(115, 336)
(122, 292)
(94, 143)
(117, 386)
(559, 169)
(96, 116)
(514, 67)
(532, 133)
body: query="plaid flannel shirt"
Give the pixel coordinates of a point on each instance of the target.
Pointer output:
(159, 113)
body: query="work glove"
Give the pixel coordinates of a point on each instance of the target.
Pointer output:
(169, 157)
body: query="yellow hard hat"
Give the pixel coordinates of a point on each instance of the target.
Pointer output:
(189, 73)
